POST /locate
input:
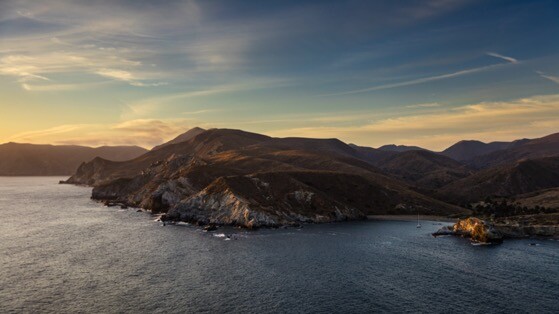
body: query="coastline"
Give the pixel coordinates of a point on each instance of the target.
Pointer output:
(412, 218)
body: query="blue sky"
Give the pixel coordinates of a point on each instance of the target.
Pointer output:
(370, 72)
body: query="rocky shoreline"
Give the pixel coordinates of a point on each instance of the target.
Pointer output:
(413, 218)
(221, 212)
(476, 229)
(485, 232)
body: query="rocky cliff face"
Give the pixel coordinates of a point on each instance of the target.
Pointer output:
(266, 199)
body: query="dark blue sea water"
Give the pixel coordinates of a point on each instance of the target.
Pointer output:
(61, 252)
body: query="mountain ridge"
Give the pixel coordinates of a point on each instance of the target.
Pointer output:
(23, 159)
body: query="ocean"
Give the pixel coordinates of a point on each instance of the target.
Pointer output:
(61, 252)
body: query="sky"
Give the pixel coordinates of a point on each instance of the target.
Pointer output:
(427, 73)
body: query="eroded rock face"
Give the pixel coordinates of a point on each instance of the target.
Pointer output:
(252, 202)
(224, 208)
(474, 228)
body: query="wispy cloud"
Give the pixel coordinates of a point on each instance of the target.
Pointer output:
(503, 57)
(145, 107)
(49, 88)
(526, 117)
(418, 81)
(126, 76)
(425, 105)
(142, 132)
(42, 66)
(30, 136)
(74, 43)
(202, 111)
(554, 79)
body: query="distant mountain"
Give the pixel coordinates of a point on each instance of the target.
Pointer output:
(466, 150)
(373, 155)
(49, 160)
(547, 146)
(240, 178)
(424, 168)
(507, 180)
(399, 148)
(181, 138)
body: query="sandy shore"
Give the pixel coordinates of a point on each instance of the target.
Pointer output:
(411, 217)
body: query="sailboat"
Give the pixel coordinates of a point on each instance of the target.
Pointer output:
(418, 224)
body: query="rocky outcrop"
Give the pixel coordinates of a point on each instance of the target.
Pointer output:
(477, 230)
(263, 200)
(543, 225)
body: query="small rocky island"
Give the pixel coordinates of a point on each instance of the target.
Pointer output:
(477, 230)
(485, 232)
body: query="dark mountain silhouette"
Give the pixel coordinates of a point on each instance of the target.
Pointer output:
(466, 150)
(234, 177)
(507, 180)
(399, 148)
(423, 168)
(181, 138)
(547, 146)
(49, 160)
(372, 155)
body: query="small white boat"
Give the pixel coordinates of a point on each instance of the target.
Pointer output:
(418, 224)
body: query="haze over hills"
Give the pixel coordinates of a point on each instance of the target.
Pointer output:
(50, 160)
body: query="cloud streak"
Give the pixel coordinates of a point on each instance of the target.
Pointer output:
(554, 79)
(148, 106)
(418, 81)
(426, 105)
(503, 57)
(142, 132)
(489, 121)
